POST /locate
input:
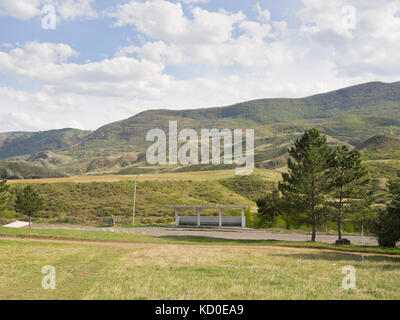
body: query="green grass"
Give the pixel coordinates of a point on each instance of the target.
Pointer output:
(185, 240)
(77, 266)
(86, 271)
(77, 235)
(252, 187)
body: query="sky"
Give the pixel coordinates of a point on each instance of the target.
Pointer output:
(85, 63)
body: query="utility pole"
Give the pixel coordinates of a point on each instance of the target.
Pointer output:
(362, 231)
(134, 205)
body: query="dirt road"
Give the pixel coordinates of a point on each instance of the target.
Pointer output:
(225, 233)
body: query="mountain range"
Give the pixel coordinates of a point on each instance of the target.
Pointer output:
(366, 116)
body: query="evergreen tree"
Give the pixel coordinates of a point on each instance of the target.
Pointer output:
(387, 225)
(4, 194)
(306, 183)
(348, 179)
(29, 202)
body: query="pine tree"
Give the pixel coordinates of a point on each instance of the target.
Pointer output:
(4, 194)
(29, 202)
(348, 179)
(306, 183)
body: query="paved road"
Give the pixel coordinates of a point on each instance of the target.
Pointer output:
(226, 233)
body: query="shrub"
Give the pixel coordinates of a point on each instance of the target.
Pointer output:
(249, 219)
(387, 228)
(269, 208)
(387, 225)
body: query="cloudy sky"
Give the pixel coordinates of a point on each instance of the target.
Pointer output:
(107, 60)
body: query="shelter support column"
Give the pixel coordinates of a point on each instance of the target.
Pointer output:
(198, 217)
(243, 219)
(220, 218)
(176, 217)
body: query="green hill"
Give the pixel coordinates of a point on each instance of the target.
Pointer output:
(347, 116)
(381, 142)
(94, 202)
(376, 103)
(26, 170)
(28, 143)
(381, 147)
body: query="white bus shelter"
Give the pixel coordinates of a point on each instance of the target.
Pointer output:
(218, 221)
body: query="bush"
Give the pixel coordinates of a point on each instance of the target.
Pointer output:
(269, 208)
(387, 225)
(387, 228)
(249, 219)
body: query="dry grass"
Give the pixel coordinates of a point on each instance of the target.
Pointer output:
(270, 175)
(196, 176)
(200, 273)
(175, 272)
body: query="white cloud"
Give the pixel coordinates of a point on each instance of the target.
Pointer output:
(157, 51)
(66, 9)
(18, 121)
(21, 121)
(368, 48)
(20, 9)
(32, 111)
(166, 21)
(254, 29)
(46, 63)
(194, 1)
(39, 101)
(262, 15)
(71, 9)
(206, 38)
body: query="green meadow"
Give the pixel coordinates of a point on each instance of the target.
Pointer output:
(147, 268)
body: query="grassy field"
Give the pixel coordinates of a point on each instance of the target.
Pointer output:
(199, 269)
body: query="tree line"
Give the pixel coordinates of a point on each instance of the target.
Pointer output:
(323, 181)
